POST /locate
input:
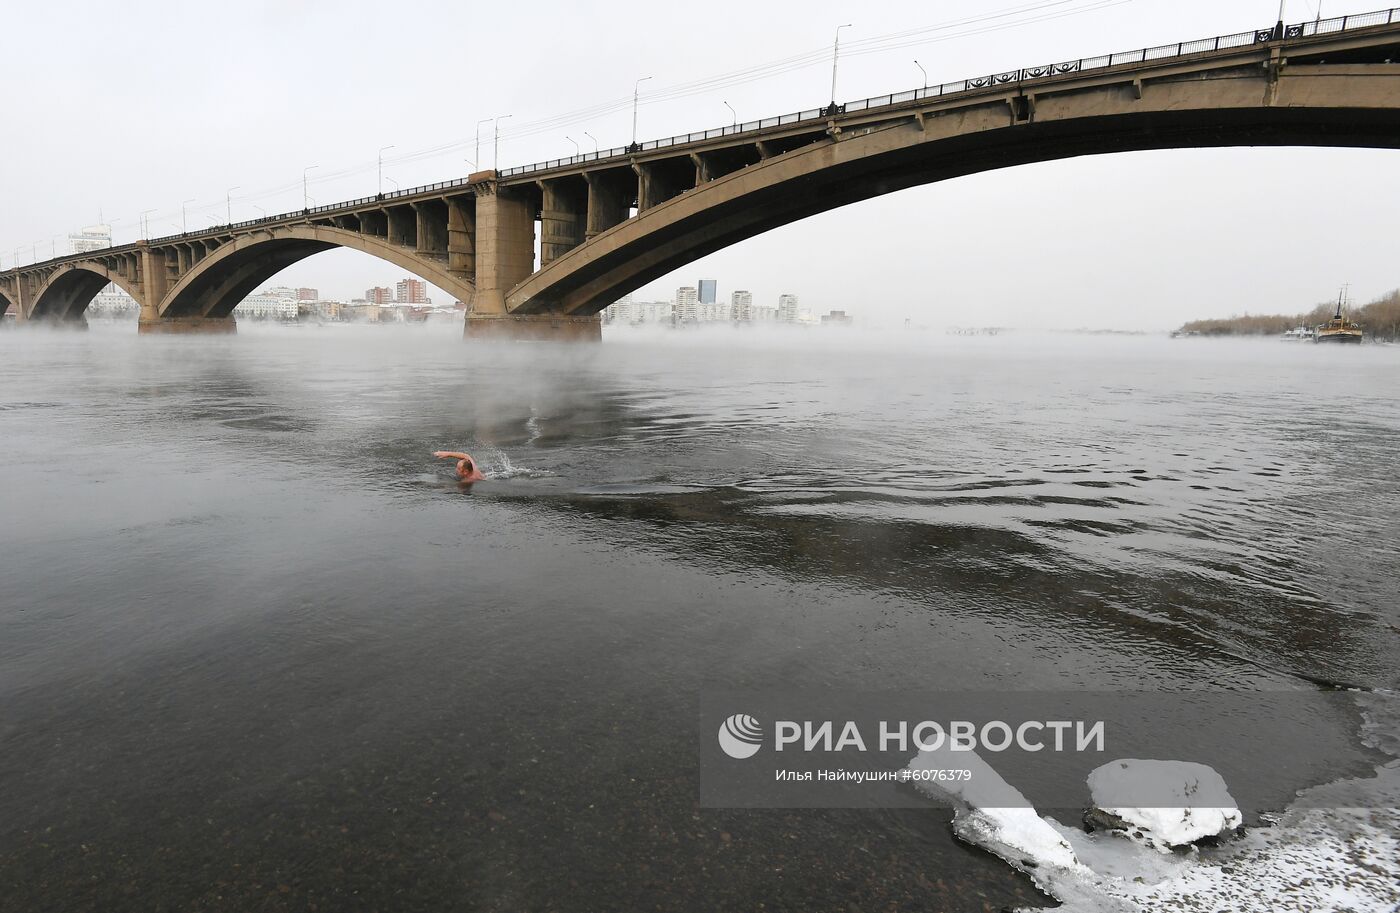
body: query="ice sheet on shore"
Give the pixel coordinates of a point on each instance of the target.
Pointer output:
(1326, 853)
(1314, 859)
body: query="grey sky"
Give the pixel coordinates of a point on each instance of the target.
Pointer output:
(126, 107)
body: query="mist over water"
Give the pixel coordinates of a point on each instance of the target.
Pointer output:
(258, 650)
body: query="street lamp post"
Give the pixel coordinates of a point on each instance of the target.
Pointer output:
(394, 182)
(595, 141)
(477, 154)
(733, 113)
(184, 222)
(636, 96)
(835, 55)
(259, 209)
(923, 71)
(305, 191)
(382, 150)
(578, 150)
(146, 225)
(496, 142)
(228, 203)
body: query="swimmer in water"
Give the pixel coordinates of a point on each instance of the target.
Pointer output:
(467, 469)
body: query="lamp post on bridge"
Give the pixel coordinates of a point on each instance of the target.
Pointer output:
(636, 97)
(184, 222)
(496, 142)
(733, 114)
(477, 153)
(305, 191)
(259, 209)
(146, 225)
(228, 203)
(394, 182)
(923, 71)
(382, 150)
(835, 56)
(578, 150)
(595, 141)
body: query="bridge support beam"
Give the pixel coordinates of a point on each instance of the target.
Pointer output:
(183, 325)
(461, 236)
(610, 195)
(562, 216)
(534, 328)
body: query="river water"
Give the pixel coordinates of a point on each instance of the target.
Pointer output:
(259, 652)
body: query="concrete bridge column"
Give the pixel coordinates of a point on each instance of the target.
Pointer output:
(610, 196)
(461, 236)
(505, 257)
(23, 299)
(432, 228)
(156, 283)
(562, 217)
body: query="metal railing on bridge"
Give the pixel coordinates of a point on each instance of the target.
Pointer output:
(995, 80)
(973, 85)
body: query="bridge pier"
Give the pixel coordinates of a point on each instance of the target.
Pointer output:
(162, 325)
(533, 328)
(505, 247)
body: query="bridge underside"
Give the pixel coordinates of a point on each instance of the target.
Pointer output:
(602, 271)
(213, 293)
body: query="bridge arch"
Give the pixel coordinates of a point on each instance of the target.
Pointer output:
(68, 291)
(215, 285)
(1243, 109)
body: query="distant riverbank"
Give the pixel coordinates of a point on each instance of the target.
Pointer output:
(1379, 318)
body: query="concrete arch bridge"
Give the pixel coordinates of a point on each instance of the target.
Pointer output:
(609, 222)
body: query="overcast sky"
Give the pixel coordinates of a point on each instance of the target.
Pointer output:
(115, 108)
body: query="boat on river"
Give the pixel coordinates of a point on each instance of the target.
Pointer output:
(1339, 329)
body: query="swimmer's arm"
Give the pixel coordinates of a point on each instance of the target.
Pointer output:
(451, 455)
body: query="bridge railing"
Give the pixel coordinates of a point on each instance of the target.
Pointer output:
(991, 81)
(975, 84)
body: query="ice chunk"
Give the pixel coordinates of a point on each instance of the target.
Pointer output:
(1164, 804)
(990, 812)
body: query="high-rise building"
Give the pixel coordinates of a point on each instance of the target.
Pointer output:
(687, 305)
(707, 289)
(787, 308)
(411, 291)
(308, 294)
(620, 311)
(379, 295)
(94, 237)
(741, 307)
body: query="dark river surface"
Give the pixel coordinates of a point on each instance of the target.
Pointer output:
(259, 652)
